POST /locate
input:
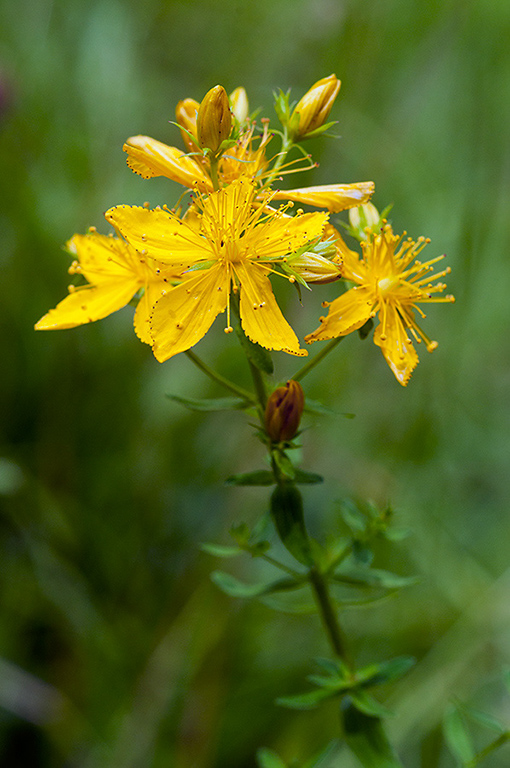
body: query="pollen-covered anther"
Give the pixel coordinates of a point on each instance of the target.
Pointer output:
(325, 304)
(146, 204)
(432, 345)
(229, 329)
(71, 288)
(292, 279)
(92, 229)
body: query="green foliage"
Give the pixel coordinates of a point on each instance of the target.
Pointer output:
(287, 513)
(366, 737)
(211, 404)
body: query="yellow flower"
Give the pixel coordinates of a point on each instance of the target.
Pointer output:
(334, 197)
(389, 283)
(236, 249)
(115, 272)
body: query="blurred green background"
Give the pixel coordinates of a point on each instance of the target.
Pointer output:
(116, 650)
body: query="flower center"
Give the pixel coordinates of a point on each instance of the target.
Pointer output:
(386, 285)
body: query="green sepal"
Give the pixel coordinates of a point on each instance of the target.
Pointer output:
(200, 265)
(235, 588)
(282, 106)
(211, 404)
(259, 477)
(266, 758)
(321, 129)
(258, 355)
(218, 550)
(287, 514)
(366, 738)
(458, 737)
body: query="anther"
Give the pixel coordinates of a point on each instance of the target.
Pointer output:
(229, 329)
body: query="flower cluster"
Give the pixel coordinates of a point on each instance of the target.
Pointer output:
(185, 266)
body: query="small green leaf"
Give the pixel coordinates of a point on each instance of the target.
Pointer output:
(324, 758)
(372, 577)
(301, 477)
(375, 674)
(366, 703)
(220, 551)
(317, 408)
(287, 514)
(366, 738)
(211, 404)
(259, 356)
(284, 464)
(353, 517)
(458, 736)
(241, 534)
(260, 477)
(235, 588)
(309, 700)
(482, 718)
(266, 758)
(296, 603)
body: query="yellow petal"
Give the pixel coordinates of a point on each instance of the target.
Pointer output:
(150, 158)
(396, 345)
(334, 197)
(185, 313)
(144, 309)
(283, 234)
(160, 235)
(84, 305)
(347, 313)
(261, 317)
(104, 258)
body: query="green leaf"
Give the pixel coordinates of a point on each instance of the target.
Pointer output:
(458, 736)
(366, 703)
(259, 477)
(317, 408)
(367, 739)
(266, 758)
(295, 603)
(324, 757)
(372, 577)
(219, 550)
(301, 477)
(482, 718)
(284, 464)
(235, 588)
(375, 674)
(259, 356)
(287, 513)
(353, 517)
(308, 700)
(211, 404)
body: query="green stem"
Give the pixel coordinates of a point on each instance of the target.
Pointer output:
(502, 739)
(329, 617)
(219, 378)
(281, 566)
(317, 359)
(260, 386)
(213, 160)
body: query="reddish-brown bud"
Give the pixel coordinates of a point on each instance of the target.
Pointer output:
(283, 411)
(214, 119)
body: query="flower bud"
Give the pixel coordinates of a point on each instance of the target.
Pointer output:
(283, 411)
(312, 111)
(214, 120)
(364, 216)
(314, 268)
(186, 116)
(239, 104)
